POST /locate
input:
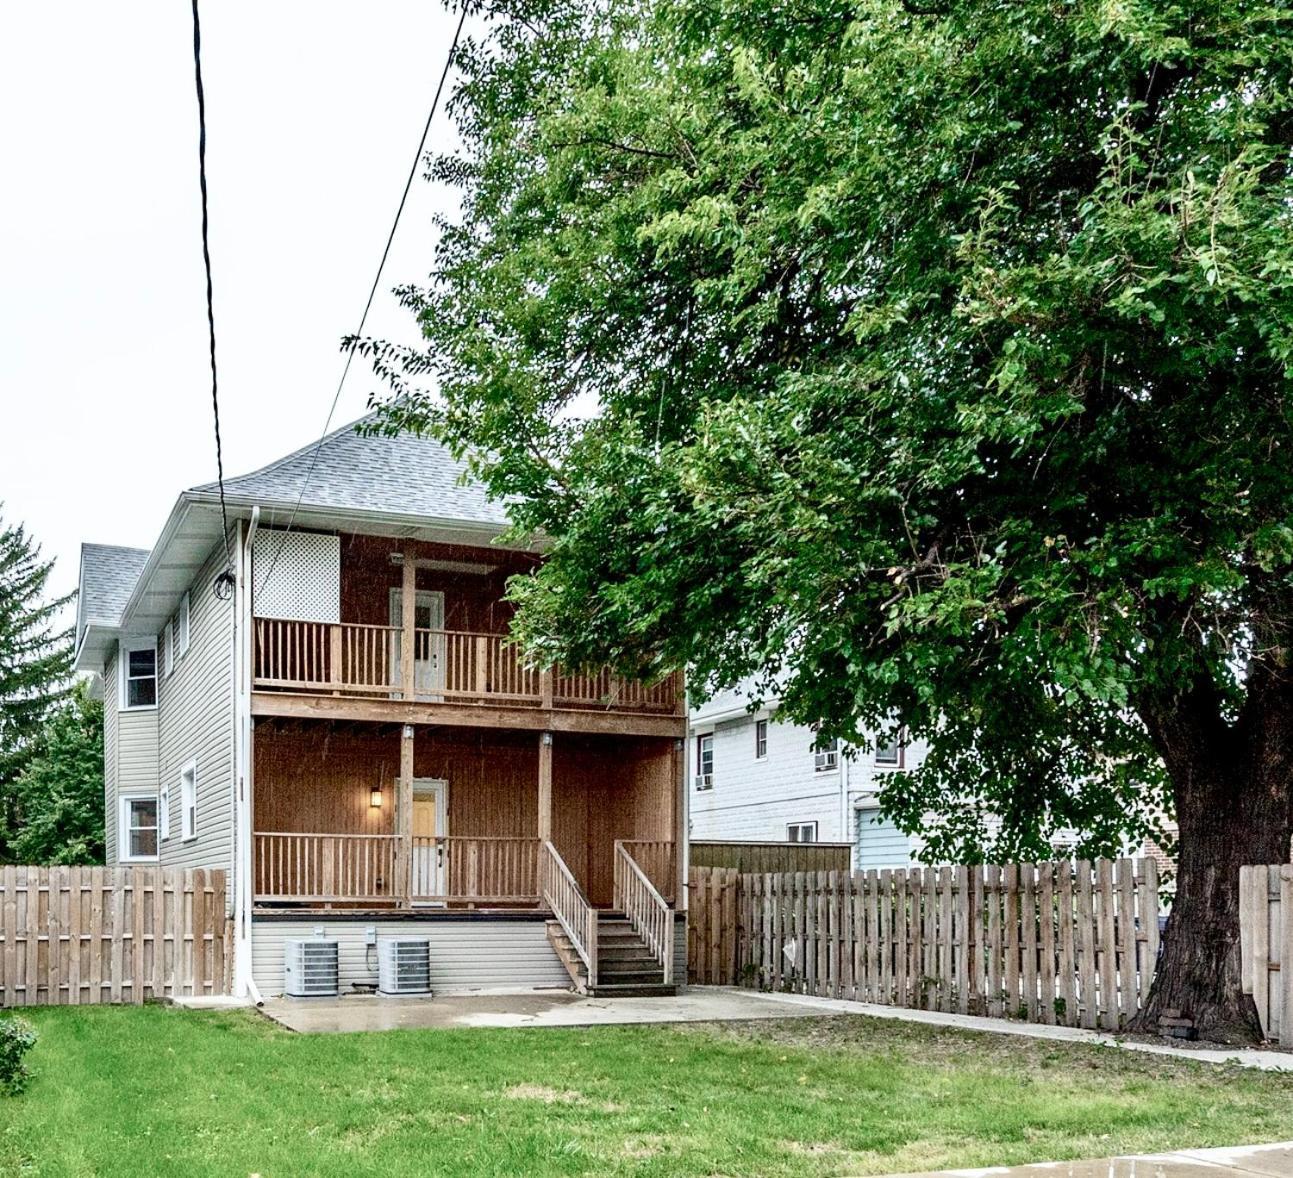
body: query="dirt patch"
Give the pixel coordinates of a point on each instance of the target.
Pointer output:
(542, 1094)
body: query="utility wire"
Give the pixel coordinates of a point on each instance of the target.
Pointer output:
(363, 319)
(224, 581)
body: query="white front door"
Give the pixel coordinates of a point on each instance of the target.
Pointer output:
(428, 648)
(430, 827)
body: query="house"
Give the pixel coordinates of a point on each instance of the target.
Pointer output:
(321, 699)
(754, 778)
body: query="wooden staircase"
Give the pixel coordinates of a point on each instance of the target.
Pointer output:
(626, 966)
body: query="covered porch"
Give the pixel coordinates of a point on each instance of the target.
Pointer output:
(357, 816)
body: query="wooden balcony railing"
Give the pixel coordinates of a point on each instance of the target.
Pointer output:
(491, 871)
(349, 658)
(325, 868)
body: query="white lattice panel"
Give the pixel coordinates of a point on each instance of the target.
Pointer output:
(296, 575)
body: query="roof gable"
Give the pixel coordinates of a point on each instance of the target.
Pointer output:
(109, 574)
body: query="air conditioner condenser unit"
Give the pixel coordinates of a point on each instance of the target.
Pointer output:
(310, 968)
(404, 965)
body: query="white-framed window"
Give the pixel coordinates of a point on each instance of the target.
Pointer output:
(164, 813)
(760, 739)
(891, 753)
(138, 828)
(705, 761)
(826, 756)
(138, 675)
(177, 637)
(801, 832)
(189, 801)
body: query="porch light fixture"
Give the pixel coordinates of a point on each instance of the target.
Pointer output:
(375, 797)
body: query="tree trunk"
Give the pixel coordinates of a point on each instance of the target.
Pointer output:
(1234, 806)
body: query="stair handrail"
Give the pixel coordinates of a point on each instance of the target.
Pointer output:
(648, 914)
(577, 917)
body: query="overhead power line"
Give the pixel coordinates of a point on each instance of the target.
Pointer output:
(224, 581)
(372, 293)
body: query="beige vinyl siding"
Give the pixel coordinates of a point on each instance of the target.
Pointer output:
(195, 720)
(465, 954)
(110, 727)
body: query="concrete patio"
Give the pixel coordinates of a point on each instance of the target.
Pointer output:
(532, 1008)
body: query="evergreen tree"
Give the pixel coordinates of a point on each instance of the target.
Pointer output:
(60, 794)
(35, 661)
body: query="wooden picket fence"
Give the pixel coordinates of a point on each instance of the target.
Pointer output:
(1068, 943)
(1266, 943)
(74, 935)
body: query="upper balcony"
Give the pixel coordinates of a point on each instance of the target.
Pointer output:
(394, 597)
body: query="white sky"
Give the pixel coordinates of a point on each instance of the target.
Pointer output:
(313, 115)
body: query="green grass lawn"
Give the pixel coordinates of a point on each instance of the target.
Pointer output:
(158, 1091)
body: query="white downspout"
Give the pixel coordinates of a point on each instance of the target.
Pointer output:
(844, 804)
(244, 985)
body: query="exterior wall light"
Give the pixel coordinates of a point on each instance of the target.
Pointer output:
(375, 797)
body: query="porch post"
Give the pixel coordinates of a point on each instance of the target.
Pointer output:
(404, 818)
(545, 785)
(408, 616)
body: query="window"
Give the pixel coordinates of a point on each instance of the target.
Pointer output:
(139, 676)
(705, 761)
(890, 752)
(802, 832)
(760, 739)
(189, 801)
(177, 637)
(164, 813)
(138, 828)
(826, 756)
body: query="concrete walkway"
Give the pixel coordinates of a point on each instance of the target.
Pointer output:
(1271, 1061)
(1271, 1160)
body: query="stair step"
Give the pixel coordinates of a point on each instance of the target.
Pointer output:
(632, 990)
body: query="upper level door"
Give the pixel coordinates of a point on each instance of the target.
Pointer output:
(428, 647)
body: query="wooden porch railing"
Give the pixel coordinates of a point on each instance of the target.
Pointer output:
(606, 690)
(645, 908)
(659, 863)
(324, 868)
(467, 665)
(343, 657)
(472, 870)
(570, 906)
(350, 658)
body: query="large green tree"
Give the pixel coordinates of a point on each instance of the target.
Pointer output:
(60, 792)
(35, 663)
(928, 362)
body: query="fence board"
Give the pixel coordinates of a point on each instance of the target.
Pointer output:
(101, 934)
(1069, 943)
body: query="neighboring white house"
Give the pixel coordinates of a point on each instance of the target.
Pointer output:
(753, 778)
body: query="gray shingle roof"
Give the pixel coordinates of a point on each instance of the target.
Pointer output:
(108, 577)
(401, 475)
